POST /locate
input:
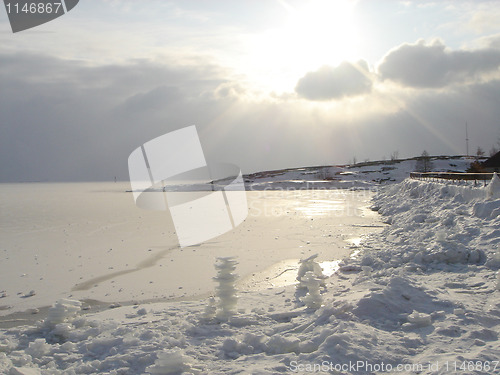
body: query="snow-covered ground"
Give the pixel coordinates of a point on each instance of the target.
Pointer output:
(360, 175)
(420, 296)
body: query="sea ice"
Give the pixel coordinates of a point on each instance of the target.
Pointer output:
(310, 265)
(313, 297)
(420, 319)
(173, 362)
(61, 311)
(226, 290)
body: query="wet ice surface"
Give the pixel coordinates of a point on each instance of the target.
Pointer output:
(89, 241)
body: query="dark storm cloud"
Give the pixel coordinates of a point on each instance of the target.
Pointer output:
(329, 83)
(434, 66)
(63, 120)
(66, 120)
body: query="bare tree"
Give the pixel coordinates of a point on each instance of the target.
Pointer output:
(479, 153)
(424, 163)
(493, 150)
(395, 155)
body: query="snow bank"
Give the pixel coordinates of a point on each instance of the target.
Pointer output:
(493, 189)
(435, 223)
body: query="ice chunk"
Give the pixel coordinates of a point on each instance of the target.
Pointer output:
(313, 297)
(62, 311)
(233, 348)
(210, 309)
(309, 265)
(226, 290)
(38, 348)
(172, 361)
(420, 319)
(279, 344)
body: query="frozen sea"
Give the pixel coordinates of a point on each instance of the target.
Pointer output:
(88, 241)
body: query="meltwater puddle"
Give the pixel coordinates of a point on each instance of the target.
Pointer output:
(284, 273)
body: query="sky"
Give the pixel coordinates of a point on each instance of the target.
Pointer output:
(269, 84)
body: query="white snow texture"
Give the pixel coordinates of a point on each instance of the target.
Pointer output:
(425, 291)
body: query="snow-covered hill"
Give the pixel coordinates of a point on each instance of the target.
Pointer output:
(367, 174)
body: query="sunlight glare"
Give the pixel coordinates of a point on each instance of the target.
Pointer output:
(321, 32)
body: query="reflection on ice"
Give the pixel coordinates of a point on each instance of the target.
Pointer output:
(355, 242)
(321, 207)
(329, 267)
(283, 274)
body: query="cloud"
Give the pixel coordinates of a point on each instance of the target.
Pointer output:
(329, 83)
(154, 99)
(485, 20)
(433, 65)
(64, 120)
(491, 41)
(67, 120)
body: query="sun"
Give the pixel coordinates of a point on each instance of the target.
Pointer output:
(324, 30)
(316, 33)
